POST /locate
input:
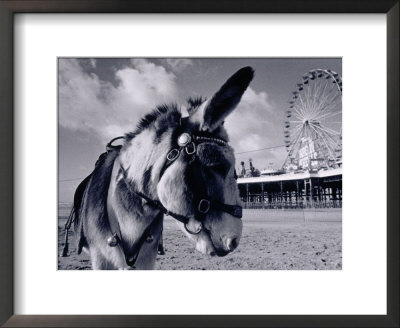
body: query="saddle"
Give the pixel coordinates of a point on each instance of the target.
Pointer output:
(105, 162)
(112, 151)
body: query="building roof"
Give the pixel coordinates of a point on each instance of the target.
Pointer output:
(291, 176)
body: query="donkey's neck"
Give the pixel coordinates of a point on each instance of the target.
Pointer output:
(142, 159)
(137, 170)
(134, 220)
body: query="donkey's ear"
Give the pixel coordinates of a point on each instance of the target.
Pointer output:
(225, 100)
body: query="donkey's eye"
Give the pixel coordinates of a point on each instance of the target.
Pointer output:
(221, 169)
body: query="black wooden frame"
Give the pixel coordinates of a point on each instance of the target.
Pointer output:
(7, 10)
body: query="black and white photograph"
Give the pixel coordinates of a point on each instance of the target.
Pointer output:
(199, 163)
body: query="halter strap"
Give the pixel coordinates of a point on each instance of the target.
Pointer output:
(117, 240)
(110, 145)
(158, 205)
(130, 254)
(202, 209)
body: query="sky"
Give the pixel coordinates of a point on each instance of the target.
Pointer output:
(102, 98)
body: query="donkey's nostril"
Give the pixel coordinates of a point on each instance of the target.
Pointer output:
(231, 243)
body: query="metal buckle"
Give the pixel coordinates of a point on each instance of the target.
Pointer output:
(173, 154)
(204, 206)
(149, 238)
(113, 240)
(190, 148)
(184, 139)
(194, 232)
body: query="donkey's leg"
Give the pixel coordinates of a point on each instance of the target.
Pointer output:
(99, 262)
(161, 250)
(114, 257)
(148, 253)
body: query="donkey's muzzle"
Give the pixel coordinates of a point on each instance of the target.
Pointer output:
(231, 243)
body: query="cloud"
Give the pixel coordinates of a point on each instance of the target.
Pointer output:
(93, 62)
(253, 125)
(178, 64)
(99, 107)
(89, 104)
(250, 126)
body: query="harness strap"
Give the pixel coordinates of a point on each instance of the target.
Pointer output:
(116, 238)
(234, 210)
(131, 255)
(203, 207)
(157, 204)
(110, 145)
(154, 202)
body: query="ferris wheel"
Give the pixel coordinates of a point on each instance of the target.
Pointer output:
(313, 125)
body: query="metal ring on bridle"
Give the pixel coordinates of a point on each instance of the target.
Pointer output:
(204, 206)
(173, 154)
(194, 232)
(190, 148)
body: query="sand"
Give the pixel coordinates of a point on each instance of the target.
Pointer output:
(271, 240)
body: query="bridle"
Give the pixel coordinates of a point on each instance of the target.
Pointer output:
(186, 143)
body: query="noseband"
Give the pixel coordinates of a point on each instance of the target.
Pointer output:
(188, 144)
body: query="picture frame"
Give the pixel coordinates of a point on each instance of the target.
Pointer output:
(7, 10)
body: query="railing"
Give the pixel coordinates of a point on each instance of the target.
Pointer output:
(293, 205)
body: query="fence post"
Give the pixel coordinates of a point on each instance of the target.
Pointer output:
(247, 194)
(262, 195)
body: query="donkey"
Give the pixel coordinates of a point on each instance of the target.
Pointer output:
(171, 164)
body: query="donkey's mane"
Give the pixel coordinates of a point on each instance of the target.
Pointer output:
(194, 103)
(161, 110)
